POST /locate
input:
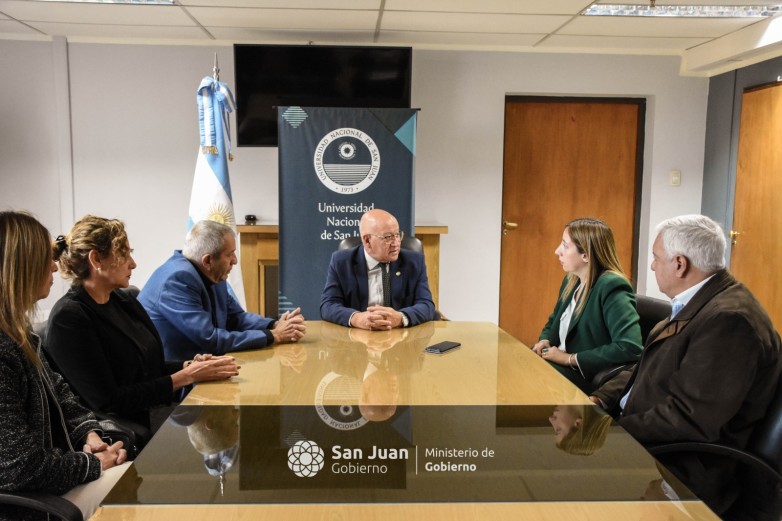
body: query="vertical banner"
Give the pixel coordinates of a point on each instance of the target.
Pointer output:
(335, 164)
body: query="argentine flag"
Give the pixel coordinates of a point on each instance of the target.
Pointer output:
(211, 195)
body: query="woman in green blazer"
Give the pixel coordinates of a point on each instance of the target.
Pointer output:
(594, 324)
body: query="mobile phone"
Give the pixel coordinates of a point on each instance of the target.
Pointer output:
(442, 347)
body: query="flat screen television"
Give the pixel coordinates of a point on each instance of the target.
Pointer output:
(268, 76)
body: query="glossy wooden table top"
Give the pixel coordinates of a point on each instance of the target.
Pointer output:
(331, 363)
(597, 511)
(492, 390)
(464, 462)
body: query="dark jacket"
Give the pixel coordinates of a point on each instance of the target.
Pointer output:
(103, 360)
(707, 375)
(41, 425)
(605, 334)
(347, 287)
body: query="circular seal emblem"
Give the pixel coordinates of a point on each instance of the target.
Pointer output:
(333, 389)
(305, 459)
(347, 160)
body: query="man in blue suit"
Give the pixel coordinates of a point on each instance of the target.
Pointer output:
(377, 285)
(188, 300)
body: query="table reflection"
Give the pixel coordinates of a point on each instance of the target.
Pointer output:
(371, 369)
(214, 433)
(332, 454)
(579, 429)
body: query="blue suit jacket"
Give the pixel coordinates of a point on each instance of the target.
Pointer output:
(347, 287)
(178, 303)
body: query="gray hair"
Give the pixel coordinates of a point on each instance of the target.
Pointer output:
(205, 238)
(698, 238)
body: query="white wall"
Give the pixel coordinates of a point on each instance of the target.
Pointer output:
(460, 152)
(33, 123)
(135, 136)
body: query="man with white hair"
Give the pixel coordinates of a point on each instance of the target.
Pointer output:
(187, 298)
(706, 374)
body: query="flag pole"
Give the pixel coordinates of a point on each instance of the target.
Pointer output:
(216, 70)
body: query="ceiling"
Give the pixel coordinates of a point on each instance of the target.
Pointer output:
(706, 45)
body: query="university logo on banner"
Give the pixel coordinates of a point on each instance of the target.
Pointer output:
(347, 161)
(335, 165)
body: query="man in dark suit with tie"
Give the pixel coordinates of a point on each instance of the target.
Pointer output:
(707, 373)
(377, 285)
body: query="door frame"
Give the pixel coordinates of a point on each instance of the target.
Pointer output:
(723, 117)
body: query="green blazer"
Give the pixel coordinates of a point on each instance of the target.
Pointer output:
(605, 334)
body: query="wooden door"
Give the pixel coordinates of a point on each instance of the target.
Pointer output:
(563, 159)
(757, 214)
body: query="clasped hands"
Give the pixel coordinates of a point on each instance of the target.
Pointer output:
(551, 353)
(377, 318)
(109, 455)
(290, 327)
(207, 368)
(292, 356)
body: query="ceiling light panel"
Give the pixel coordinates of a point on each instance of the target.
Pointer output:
(136, 2)
(568, 7)
(683, 11)
(85, 13)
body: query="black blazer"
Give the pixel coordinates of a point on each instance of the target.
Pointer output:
(104, 361)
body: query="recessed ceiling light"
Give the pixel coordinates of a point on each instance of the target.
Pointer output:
(684, 11)
(134, 2)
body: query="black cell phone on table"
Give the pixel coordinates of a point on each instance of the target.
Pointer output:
(442, 347)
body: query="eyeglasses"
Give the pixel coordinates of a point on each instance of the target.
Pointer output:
(391, 237)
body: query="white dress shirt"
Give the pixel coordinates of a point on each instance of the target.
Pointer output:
(375, 281)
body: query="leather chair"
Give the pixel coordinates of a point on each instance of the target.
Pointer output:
(760, 465)
(650, 311)
(51, 504)
(408, 243)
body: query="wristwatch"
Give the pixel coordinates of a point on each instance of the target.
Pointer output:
(405, 320)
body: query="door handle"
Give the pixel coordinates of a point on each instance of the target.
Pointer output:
(506, 225)
(734, 237)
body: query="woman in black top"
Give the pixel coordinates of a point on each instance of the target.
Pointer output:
(102, 339)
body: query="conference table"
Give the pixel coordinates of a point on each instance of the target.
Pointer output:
(365, 425)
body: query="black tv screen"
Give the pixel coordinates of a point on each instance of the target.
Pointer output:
(268, 76)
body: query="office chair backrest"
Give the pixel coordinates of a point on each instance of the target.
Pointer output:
(349, 242)
(650, 311)
(766, 440)
(408, 243)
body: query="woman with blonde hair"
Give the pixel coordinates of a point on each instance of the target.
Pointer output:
(580, 430)
(48, 441)
(594, 324)
(102, 339)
